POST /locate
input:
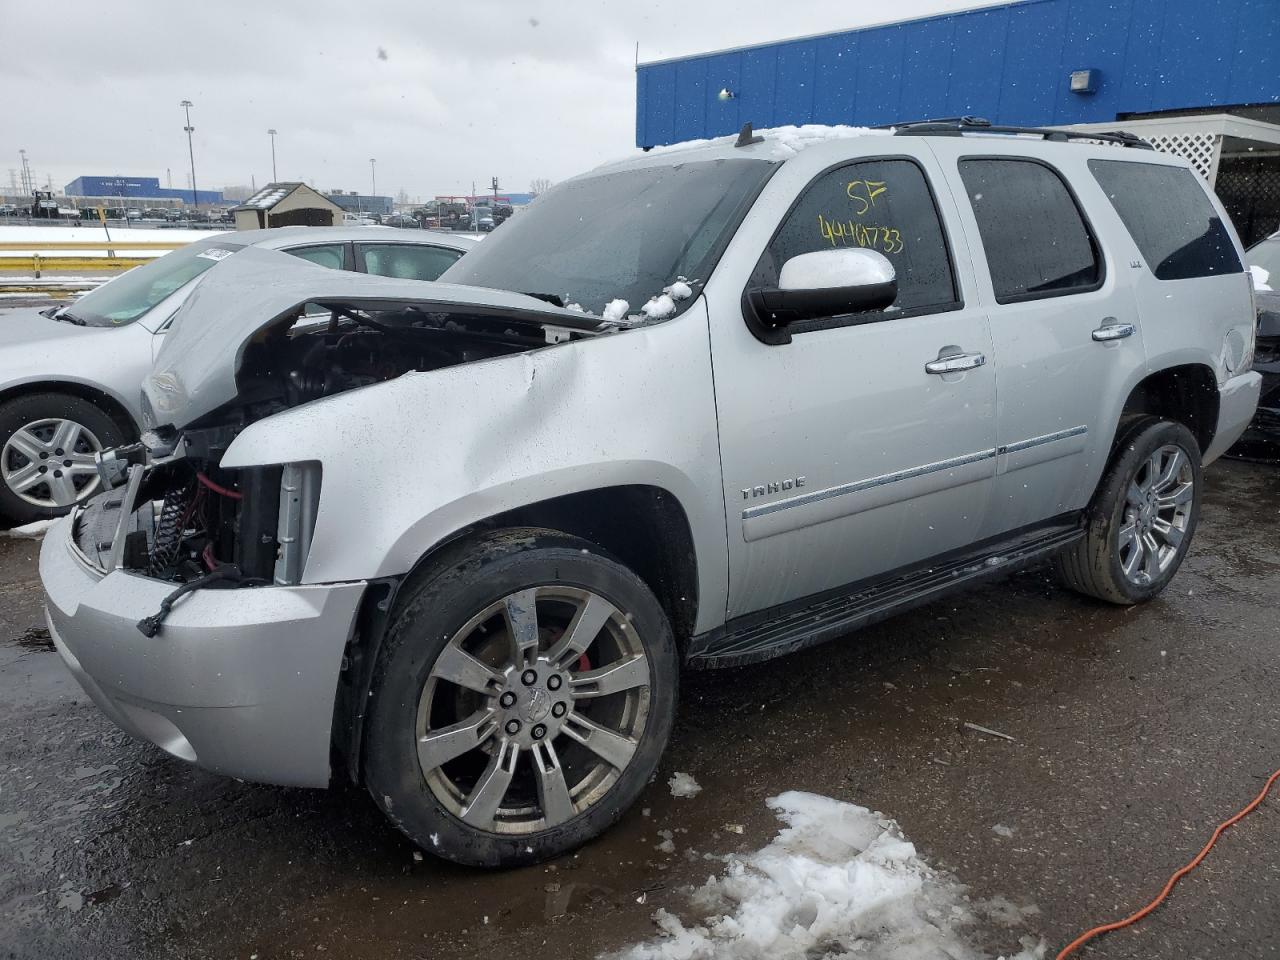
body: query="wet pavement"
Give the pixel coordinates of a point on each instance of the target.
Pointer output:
(1135, 732)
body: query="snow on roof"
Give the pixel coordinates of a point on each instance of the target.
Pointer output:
(269, 196)
(789, 140)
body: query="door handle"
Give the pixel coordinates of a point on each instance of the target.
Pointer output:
(1111, 330)
(956, 363)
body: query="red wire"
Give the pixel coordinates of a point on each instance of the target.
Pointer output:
(218, 488)
(1168, 887)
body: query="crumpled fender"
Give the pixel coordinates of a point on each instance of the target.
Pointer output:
(409, 462)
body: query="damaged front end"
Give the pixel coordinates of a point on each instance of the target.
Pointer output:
(264, 334)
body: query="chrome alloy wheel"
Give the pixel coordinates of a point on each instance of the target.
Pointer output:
(1157, 510)
(49, 463)
(533, 709)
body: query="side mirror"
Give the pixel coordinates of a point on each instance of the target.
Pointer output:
(825, 283)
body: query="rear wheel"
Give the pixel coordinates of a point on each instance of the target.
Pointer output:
(47, 447)
(523, 698)
(1142, 518)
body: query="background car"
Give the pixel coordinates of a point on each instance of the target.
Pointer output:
(70, 376)
(402, 220)
(1262, 439)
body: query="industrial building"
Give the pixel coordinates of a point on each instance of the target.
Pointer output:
(361, 203)
(1199, 80)
(137, 188)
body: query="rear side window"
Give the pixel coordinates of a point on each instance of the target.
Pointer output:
(883, 205)
(331, 255)
(407, 261)
(1036, 240)
(1169, 217)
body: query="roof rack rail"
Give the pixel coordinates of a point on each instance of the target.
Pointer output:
(959, 126)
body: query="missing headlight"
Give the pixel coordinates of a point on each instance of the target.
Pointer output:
(299, 501)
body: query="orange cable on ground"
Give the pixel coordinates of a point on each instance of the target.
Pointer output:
(1168, 887)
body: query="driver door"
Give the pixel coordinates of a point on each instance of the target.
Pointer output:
(843, 458)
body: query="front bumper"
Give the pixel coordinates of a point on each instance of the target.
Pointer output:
(1237, 402)
(241, 682)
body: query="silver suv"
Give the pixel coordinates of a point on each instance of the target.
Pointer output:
(701, 407)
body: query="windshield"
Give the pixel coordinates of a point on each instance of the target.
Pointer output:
(1267, 256)
(618, 236)
(129, 296)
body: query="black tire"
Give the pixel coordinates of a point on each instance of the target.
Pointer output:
(1095, 565)
(437, 605)
(21, 411)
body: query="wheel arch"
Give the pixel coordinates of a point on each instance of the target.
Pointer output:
(644, 527)
(111, 405)
(1185, 393)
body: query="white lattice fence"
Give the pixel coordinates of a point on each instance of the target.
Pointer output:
(1201, 149)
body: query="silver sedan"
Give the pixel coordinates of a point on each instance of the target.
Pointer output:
(70, 377)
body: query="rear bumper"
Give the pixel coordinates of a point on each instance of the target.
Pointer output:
(240, 682)
(1237, 403)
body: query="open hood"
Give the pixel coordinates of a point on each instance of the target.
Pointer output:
(259, 290)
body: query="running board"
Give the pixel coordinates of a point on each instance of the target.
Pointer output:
(763, 636)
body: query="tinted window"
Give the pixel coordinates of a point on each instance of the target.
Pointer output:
(406, 261)
(1035, 238)
(883, 205)
(331, 255)
(1171, 220)
(622, 235)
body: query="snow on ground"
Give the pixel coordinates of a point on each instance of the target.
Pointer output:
(29, 531)
(1261, 279)
(21, 234)
(684, 786)
(839, 881)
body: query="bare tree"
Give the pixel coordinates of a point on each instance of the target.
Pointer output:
(539, 185)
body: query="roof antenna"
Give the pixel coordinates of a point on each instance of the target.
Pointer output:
(745, 136)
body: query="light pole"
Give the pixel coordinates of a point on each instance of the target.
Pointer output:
(373, 180)
(272, 134)
(186, 106)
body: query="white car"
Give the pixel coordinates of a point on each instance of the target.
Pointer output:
(71, 376)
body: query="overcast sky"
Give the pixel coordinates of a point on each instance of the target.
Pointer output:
(440, 93)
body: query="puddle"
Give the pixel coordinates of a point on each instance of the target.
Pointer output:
(35, 638)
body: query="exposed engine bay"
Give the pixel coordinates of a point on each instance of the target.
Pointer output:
(175, 514)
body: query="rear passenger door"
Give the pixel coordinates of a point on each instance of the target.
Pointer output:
(407, 261)
(1063, 318)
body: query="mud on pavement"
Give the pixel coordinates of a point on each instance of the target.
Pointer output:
(1133, 733)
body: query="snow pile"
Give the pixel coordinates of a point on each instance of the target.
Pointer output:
(659, 307)
(615, 311)
(1261, 279)
(680, 290)
(683, 785)
(838, 882)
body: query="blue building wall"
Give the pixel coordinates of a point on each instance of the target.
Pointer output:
(1008, 63)
(137, 188)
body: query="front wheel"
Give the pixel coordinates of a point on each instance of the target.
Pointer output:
(47, 447)
(1142, 518)
(523, 698)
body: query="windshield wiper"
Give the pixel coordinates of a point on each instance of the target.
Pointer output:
(552, 298)
(68, 317)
